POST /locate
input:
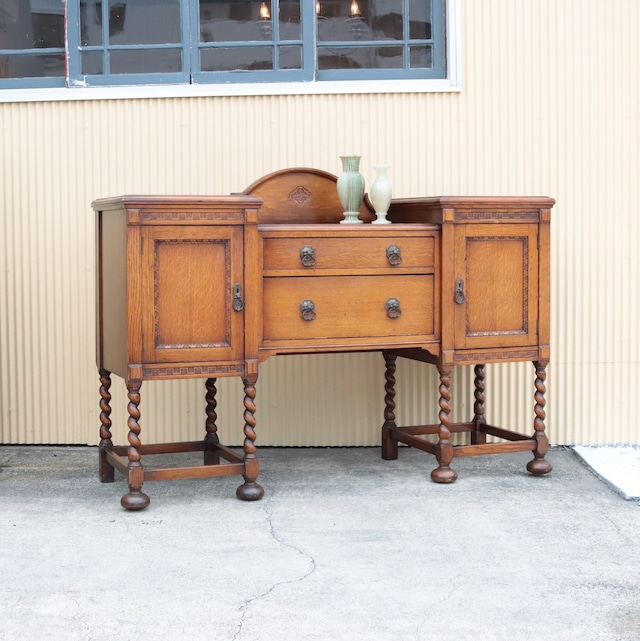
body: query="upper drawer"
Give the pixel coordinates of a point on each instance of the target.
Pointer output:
(349, 254)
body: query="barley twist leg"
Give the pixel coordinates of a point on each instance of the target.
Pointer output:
(211, 453)
(106, 470)
(539, 465)
(250, 490)
(389, 444)
(444, 450)
(135, 499)
(479, 420)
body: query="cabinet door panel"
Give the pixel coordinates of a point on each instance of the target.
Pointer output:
(190, 274)
(497, 279)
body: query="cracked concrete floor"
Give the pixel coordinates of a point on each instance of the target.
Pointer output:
(344, 547)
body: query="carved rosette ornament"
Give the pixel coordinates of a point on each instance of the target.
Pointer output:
(300, 196)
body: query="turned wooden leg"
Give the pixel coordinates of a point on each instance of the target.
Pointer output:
(539, 465)
(479, 420)
(444, 450)
(135, 499)
(211, 453)
(250, 490)
(106, 470)
(389, 444)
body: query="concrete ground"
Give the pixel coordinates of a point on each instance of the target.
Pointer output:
(344, 547)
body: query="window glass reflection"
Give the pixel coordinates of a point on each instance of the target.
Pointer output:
(290, 57)
(360, 58)
(236, 59)
(233, 21)
(32, 24)
(421, 57)
(247, 21)
(420, 20)
(146, 61)
(130, 22)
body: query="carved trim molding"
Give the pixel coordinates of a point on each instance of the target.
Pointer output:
(191, 345)
(173, 216)
(498, 215)
(487, 357)
(150, 372)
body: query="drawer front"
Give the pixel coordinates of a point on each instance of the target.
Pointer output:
(309, 254)
(348, 307)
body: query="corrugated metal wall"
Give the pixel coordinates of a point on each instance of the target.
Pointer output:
(549, 106)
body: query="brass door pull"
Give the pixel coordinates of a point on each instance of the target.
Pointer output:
(460, 297)
(238, 303)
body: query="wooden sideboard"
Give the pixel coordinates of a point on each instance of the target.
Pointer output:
(206, 287)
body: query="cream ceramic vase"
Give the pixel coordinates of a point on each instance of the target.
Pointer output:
(350, 186)
(380, 194)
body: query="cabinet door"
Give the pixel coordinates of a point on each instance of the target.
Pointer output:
(190, 275)
(496, 285)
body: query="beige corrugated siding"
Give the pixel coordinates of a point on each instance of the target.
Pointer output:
(549, 106)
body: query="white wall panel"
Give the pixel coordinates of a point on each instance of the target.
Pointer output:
(549, 106)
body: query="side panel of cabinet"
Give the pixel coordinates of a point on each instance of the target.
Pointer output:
(188, 281)
(111, 299)
(496, 285)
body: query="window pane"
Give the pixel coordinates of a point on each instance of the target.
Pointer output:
(32, 66)
(90, 22)
(360, 58)
(290, 20)
(361, 19)
(236, 59)
(290, 57)
(27, 26)
(238, 21)
(246, 21)
(386, 20)
(92, 63)
(146, 61)
(421, 57)
(134, 22)
(144, 22)
(420, 20)
(343, 28)
(31, 24)
(340, 22)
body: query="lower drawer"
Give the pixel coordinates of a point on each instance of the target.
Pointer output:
(348, 307)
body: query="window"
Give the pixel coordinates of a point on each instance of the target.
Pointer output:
(145, 42)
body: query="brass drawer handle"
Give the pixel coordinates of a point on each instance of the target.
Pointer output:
(308, 256)
(394, 256)
(393, 308)
(308, 310)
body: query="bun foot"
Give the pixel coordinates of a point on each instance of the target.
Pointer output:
(135, 501)
(250, 492)
(444, 475)
(539, 466)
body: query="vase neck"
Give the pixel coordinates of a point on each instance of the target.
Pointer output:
(381, 170)
(350, 163)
